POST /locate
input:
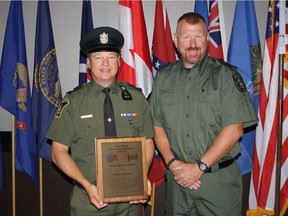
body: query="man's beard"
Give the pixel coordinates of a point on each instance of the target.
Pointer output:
(194, 57)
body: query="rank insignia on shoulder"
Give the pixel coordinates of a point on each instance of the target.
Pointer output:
(239, 83)
(64, 103)
(125, 94)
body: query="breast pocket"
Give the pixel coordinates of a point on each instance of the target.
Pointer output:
(170, 103)
(87, 130)
(208, 107)
(129, 124)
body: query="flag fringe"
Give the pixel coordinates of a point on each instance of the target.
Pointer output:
(259, 211)
(284, 208)
(253, 212)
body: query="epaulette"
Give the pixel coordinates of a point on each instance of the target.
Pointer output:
(128, 85)
(227, 64)
(77, 88)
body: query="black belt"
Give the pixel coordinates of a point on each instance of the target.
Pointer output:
(223, 164)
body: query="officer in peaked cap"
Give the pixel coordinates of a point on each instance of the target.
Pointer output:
(102, 39)
(103, 107)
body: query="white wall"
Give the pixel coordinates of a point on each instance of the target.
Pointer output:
(66, 21)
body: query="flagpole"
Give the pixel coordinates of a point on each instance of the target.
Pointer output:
(41, 186)
(223, 30)
(281, 53)
(13, 168)
(279, 137)
(152, 198)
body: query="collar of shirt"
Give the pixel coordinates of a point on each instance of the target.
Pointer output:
(199, 66)
(97, 89)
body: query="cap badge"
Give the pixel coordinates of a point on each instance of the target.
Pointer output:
(104, 38)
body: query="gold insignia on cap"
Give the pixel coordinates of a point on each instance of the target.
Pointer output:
(104, 38)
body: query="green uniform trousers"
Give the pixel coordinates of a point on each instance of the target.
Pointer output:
(220, 194)
(81, 206)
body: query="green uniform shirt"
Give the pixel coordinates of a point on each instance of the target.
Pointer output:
(193, 106)
(80, 121)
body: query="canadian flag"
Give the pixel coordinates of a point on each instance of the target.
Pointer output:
(135, 63)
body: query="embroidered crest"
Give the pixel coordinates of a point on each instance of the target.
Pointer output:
(64, 103)
(104, 38)
(46, 79)
(20, 83)
(257, 65)
(239, 83)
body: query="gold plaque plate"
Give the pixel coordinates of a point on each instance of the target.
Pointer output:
(121, 169)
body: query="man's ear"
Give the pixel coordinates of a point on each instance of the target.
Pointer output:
(88, 63)
(175, 40)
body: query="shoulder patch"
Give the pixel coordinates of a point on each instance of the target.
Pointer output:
(239, 82)
(64, 103)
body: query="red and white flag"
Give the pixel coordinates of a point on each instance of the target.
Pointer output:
(263, 178)
(135, 65)
(163, 51)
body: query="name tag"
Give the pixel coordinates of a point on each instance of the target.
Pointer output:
(86, 116)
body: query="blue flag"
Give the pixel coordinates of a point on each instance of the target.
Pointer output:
(201, 7)
(46, 95)
(2, 176)
(86, 26)
(245, 53)
(15, 94)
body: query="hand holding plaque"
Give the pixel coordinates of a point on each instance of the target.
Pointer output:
(121, 169)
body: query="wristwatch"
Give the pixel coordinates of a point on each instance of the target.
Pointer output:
(202, 166)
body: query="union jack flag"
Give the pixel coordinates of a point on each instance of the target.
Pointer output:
(215, 44)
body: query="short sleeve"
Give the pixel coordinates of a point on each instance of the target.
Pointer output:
(61, 128)
(154, 104)
(236, 104)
